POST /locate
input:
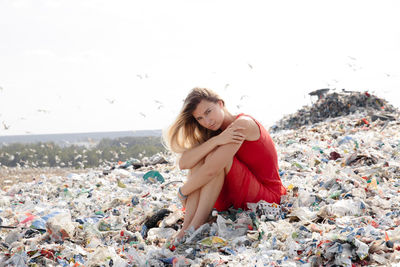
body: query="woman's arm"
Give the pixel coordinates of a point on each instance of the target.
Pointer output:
(219, 159)
(213, 165)
(192, 156)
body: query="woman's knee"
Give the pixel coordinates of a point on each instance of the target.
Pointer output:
(195, 168)
(226, 168)
(200, 163)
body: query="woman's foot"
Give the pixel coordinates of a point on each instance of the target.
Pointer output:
(179, 236)
(175, 240)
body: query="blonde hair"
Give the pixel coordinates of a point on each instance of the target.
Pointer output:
(186, 132)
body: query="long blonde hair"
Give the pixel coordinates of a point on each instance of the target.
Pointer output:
(186, 132)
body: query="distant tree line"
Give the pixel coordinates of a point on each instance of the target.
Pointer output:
(105, 152)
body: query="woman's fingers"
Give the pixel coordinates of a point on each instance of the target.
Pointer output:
(238, 138)
(238, 134)
(232, 134)
(238, 128)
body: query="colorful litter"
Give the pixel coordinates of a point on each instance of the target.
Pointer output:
(342, 206)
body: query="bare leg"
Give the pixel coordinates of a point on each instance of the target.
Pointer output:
(190, 209)
(208, 195)
(200, 202)
(191, 204)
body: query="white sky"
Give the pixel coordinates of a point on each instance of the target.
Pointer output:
(63, 62)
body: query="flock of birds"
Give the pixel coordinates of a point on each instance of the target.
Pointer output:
(79, 159)
(159, 105)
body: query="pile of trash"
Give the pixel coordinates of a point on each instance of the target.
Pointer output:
(342, 209)
(335, 105)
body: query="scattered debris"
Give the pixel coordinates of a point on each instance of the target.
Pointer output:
(342, 175)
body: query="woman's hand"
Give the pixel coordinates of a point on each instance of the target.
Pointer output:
(231, 134)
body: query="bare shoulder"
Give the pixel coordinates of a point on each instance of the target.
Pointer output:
(251, 129)
(246, 122)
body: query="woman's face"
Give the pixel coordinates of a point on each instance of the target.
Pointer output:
(209, 114)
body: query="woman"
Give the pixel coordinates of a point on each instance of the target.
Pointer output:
(231, 158)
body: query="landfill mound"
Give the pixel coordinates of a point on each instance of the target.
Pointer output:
(342, 209)
(335, 105)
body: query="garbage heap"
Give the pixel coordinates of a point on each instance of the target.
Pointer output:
(335, 105)
(342, 209)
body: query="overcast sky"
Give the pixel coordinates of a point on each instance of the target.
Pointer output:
(84, 66)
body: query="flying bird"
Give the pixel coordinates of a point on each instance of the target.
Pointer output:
(243, 96)
(6, 127)
(354, 67)
(111, 101)
(160, 104)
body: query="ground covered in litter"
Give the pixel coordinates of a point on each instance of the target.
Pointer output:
(342, 208)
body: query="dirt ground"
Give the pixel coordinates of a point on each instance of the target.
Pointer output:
(10, 176)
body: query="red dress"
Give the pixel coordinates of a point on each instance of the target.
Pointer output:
(254, 174)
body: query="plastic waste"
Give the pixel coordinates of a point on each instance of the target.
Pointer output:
(153, 176)
(135, 200)
(60, 227)
(213, 241)
(154, 220)
(18, 259)
(12, 237)
(228, 230)
(346, 207)
(270, 211)
(362, 249)
(338, 211)
(105, 256)
(135, 258)
(160, 233)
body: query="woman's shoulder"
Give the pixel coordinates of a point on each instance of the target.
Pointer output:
(245, 120)
(251, 128)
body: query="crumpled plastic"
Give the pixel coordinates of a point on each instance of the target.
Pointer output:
(342, 208)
